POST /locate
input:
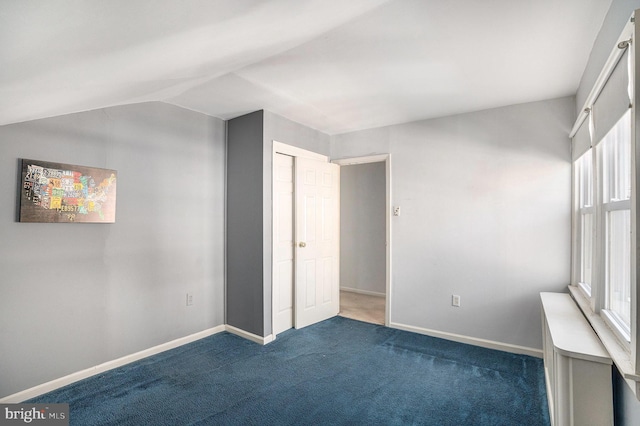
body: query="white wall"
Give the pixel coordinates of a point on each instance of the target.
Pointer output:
(77, 295)
(362, 227)
(485, 201)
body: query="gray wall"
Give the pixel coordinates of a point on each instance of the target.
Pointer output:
(362, 227)
(292, 133)
(627, 406)
(77, 295)
(249, 219)
(245, 299)
(485, 201)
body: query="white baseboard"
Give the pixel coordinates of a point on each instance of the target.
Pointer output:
(490, 344)
(367, 292)
(249, 336)
(109, 365)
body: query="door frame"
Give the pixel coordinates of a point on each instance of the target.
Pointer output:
(293, 151)
(386, 158)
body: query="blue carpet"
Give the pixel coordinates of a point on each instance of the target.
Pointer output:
(339, 371)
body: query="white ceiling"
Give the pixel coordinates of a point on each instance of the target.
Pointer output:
(334, 65)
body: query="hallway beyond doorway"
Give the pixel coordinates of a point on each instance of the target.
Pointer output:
(362, 307)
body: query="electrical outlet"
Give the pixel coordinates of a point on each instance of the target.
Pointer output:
(396, 211)
(455, 300)
(189, 299)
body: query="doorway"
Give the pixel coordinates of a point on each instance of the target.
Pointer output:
(287, 295)
(363, 237)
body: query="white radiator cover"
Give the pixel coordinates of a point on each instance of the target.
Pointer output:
(576, 364)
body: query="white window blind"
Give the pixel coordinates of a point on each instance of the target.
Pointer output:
(613, 100)
(581, 141)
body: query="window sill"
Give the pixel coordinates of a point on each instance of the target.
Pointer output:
(618, 353)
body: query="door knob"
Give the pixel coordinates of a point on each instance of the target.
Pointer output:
(302, 244)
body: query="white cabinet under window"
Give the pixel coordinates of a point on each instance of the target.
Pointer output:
(577, 366)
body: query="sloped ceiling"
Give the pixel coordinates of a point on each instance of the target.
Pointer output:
(334, 65)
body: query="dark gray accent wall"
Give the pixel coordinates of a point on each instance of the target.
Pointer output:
(245, 301)
(73, 296)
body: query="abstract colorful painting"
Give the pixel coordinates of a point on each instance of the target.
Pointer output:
(55, 192)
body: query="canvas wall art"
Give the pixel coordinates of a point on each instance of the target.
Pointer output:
(55, 192)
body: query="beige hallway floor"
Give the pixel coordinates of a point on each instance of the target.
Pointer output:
(362, 307)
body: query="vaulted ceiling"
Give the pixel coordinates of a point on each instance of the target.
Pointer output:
(334, 65)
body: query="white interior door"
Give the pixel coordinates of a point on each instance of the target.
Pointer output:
(283, 243)
(317, 230)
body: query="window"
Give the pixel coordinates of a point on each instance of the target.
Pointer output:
(586, 219)
(605, 151)
(615, 150)
(603, 227)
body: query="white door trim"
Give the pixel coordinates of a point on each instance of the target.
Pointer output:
(387, 166)
(283, 253)
(294, 151)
